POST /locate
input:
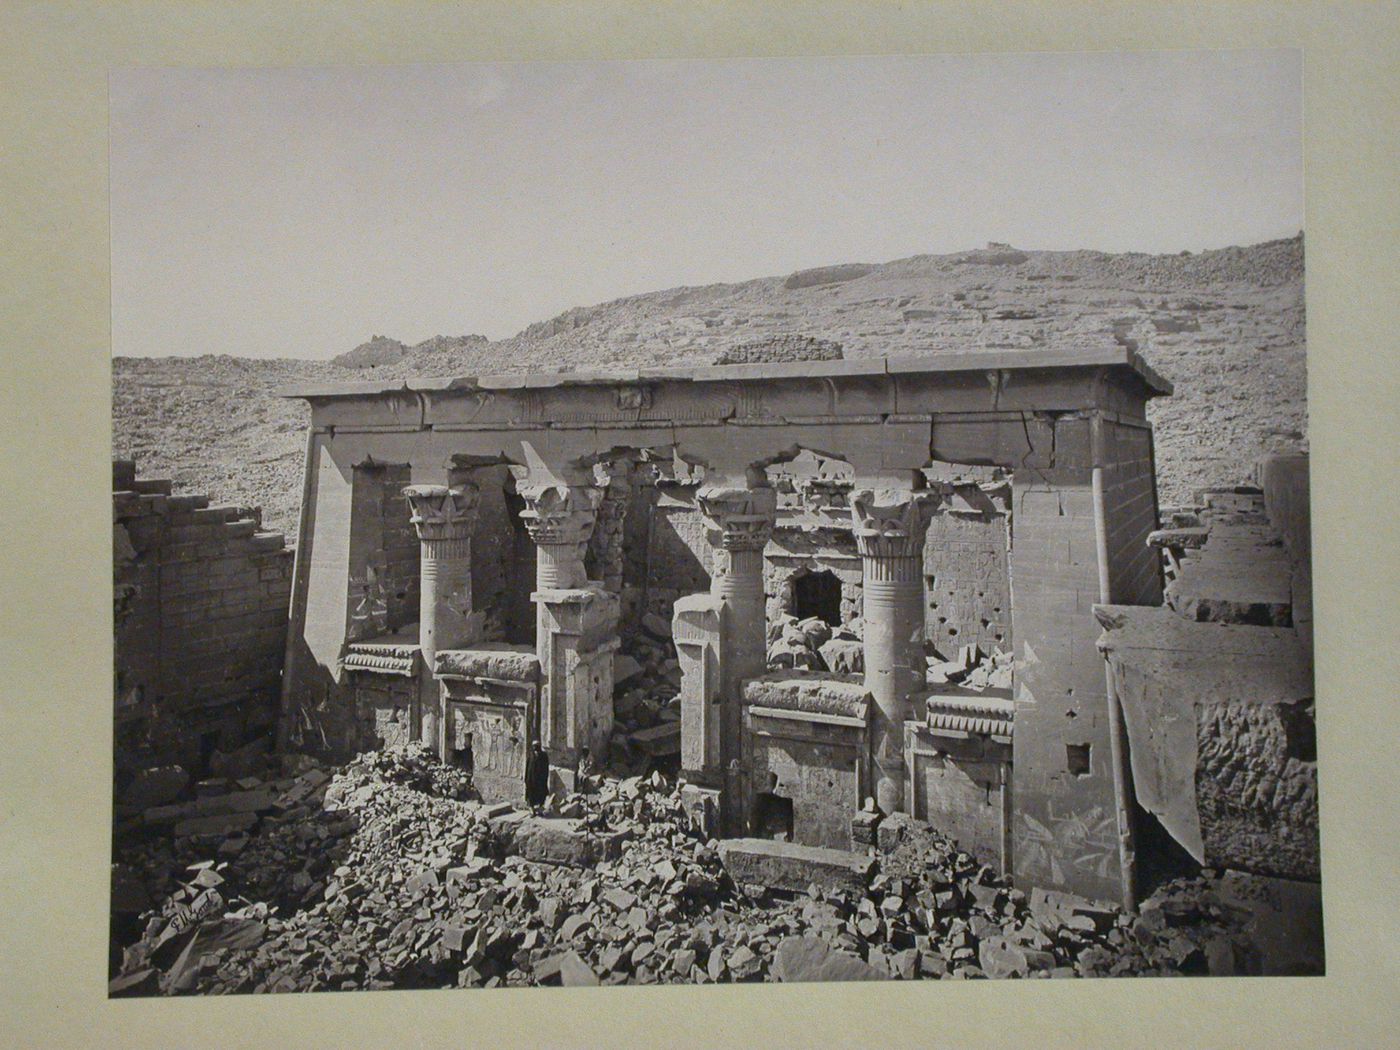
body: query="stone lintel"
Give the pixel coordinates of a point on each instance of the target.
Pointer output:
(818, 693)
(494, 660)
(1075, 357)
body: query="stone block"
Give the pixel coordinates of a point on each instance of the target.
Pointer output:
(808, 958)
(1222, 736)
(223, 824)
(788, 866)
(551, 840)
(663, 739)
(498, 660)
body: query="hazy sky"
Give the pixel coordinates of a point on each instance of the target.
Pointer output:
(293, 212)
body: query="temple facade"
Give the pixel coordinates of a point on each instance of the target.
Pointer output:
(473, 551)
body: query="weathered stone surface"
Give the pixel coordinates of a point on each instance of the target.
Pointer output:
(808, 958)
(817, 693)
(558, 841)
(513, 663)
(788, 866)
(1222, 736)
(843, 656)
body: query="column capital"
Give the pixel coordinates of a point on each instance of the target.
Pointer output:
(442, 512)
(558, 513)
(742, 516)
(892, 523)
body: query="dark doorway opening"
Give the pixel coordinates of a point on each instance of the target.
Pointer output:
(817, 594)
(771, 814)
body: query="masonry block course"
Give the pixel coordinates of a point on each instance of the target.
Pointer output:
(201, 598)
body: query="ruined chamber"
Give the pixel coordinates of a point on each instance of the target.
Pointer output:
(821, 542)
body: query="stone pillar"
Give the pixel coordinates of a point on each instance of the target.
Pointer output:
(739, 521)
(575, 624)
(890, 526)
(442, 516)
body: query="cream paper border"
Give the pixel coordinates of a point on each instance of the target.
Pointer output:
(55, 721)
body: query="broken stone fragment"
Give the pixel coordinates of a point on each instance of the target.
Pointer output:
(808, 958)
(843, 656)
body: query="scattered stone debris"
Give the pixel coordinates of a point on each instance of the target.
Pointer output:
(386, 874)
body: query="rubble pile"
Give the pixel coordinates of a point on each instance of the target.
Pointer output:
(646, 700)
(383, 875)
(972, 669)
(813, 644)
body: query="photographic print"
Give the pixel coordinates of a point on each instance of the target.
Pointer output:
(862, 534)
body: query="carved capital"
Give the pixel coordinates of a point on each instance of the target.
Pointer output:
(892, 523)
(442, 512)
(743, 517)
(558, 514)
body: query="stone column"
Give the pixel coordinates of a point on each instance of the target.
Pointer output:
(739, 521)
(890, 526)
(575, 622)
(442, 516)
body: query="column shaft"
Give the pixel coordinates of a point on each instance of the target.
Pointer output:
(740, 522)
(890, 530)
(442, 517)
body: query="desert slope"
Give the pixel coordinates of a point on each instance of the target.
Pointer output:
(1225, 326)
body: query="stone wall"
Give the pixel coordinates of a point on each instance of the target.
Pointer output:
(383, 553)
(1130, 506)
(1064, 831)
(966, 587)
(201, 596)
(678, 556)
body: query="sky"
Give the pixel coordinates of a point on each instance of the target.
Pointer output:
(295, 212)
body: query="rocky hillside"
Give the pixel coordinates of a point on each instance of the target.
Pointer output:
(1225, 326)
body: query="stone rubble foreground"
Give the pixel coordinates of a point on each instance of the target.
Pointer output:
(383, 874)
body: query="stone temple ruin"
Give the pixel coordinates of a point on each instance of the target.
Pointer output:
(885, 581)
